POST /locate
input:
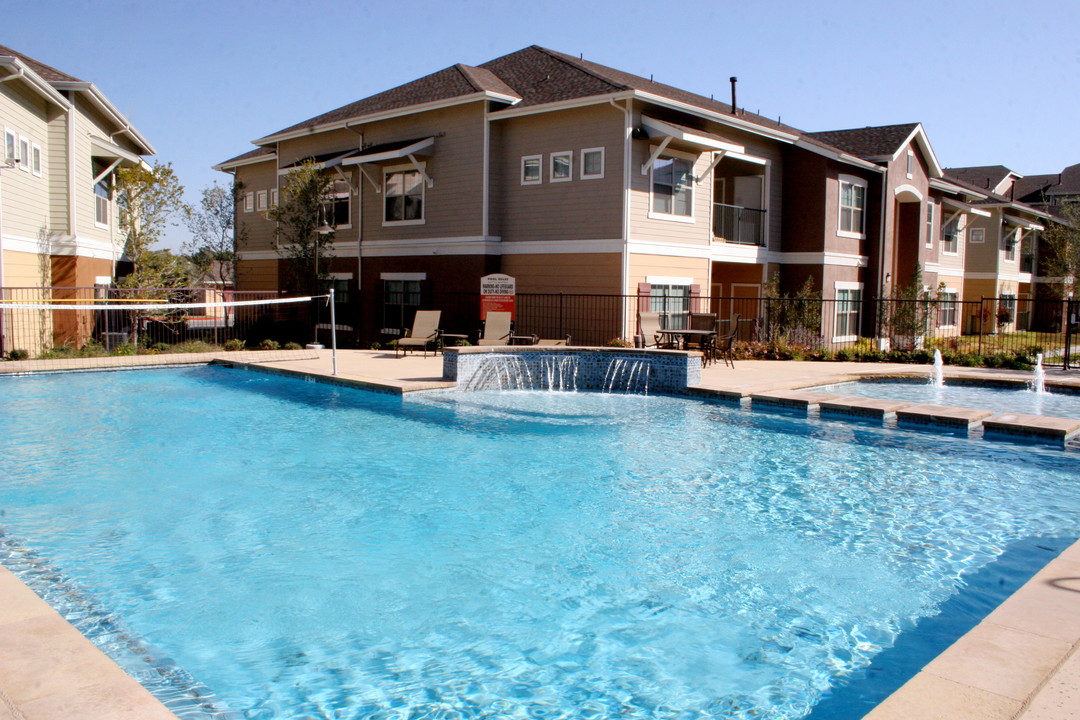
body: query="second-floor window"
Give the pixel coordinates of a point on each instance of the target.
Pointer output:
(338, 210)
(673, 186)
(852, 206)
(101, 203)
(950, 235)
(11, 141)
(404, 196)
(1008, 244)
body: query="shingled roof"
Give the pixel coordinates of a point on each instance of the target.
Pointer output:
(455, 81)
(868, 142)
(985, 177)
(47, 72)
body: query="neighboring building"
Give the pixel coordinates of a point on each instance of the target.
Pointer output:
(63, 140)
(579, 178)
(1049, 192)
(1002, 249)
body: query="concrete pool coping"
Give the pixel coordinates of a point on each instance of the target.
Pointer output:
(1021, 662)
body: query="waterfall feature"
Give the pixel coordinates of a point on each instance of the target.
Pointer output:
(1038, 376)
(937, 374)
(627, 375)
(501, 372)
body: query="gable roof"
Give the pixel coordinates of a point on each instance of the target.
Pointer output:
(869, 142)
(457, 81)
(1069, 182)
(987, 177)
(258, 155)
(47, 72)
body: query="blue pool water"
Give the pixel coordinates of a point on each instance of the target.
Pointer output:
(969, 395)
(304, 550)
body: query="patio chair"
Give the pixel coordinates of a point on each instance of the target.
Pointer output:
(649, 329)
(425, 330)
(725, 344)
(704, 321)
(554, 342)
(497, 329)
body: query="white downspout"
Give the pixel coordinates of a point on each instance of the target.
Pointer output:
(3, 333)
(625, 249)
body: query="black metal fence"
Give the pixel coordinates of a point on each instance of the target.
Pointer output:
(69, 327)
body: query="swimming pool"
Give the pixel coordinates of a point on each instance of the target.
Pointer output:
(306, 550)
(977, 395)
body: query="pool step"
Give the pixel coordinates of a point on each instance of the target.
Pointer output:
(941, 416)
(1012, 426)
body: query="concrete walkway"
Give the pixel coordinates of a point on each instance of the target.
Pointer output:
(1021, 663)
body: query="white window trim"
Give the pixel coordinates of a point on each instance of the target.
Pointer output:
(955, 299)
(273, 197)
(672, 217)
(931, 211)
(851, 180)
(249, 202)
(539, 164)
(423, 196)
(979, 233)
(24, 157)
(14, 136)
(959, 237)
(35, 166)
(603, 158)
(348, 193)
(846, 285)
(569, 155)
(260, 200)
(108, 212)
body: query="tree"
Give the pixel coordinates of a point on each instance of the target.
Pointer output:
(214, 233)
(147, 199)
(305, 197)
(1061, 248)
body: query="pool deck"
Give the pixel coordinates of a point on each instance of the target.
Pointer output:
(1022, 662)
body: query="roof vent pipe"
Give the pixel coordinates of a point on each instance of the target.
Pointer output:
(733, 81)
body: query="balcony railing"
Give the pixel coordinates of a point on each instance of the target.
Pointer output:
(739, 225)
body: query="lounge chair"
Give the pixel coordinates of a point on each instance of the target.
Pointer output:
(649, 328)
(425, 331)
(497, 329)
(553, 342)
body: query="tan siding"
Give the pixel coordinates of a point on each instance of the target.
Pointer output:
(642, 266)
(56, 163)
(984, 257)
(257, 275)
(25, 195)
(568, 210)
(260, 231)
(590, 273)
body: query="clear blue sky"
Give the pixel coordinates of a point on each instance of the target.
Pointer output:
(993, 82)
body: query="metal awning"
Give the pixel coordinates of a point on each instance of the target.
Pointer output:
(964, 207)
(698, 139)
(102, 148)
(325, 161)
(1021, 223)
(391, 151)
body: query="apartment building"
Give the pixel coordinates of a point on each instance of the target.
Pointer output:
(63, 140)
(575, 177)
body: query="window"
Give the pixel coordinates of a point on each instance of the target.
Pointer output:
(1006, 309)
(274, 197)
(852, 206)
(976, 235)
(11, 142)
(530, 169)
(592, 163)
(910, 164)
(249, 202)
(929, 224)
(401, 300)
(947, 308)
(35, 160)
(562, 166)
(1008, 244)
(950, 236)
(848, 307)
(672, 301)
(673, 186)
(338, 210)
(101, 203)
(24, 154)
(340, 286)
(260, 200)
(404, 196)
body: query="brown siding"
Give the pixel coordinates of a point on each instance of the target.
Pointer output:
(591, 273)
(257, 275)
(571, 210)
(260, 231)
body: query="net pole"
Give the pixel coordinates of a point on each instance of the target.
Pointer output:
(333, 335)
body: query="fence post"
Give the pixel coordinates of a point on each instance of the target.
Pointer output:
(982, 313)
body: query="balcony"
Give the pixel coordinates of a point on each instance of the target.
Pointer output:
(738, 225)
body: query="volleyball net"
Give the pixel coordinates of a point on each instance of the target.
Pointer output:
(67, 323)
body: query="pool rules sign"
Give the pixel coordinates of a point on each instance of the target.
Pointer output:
(497, 294)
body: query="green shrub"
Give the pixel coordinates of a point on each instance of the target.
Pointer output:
(124, 349)
(898, 356)
(844, 355)
(19, 355)
(375, 346)
(269, 344)
(992, 361)
(462, 342)
(872, 356)
(966, 360)
(618, 343)
(293, 346)
(234, 344)
(160, 347)
(923, 357)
